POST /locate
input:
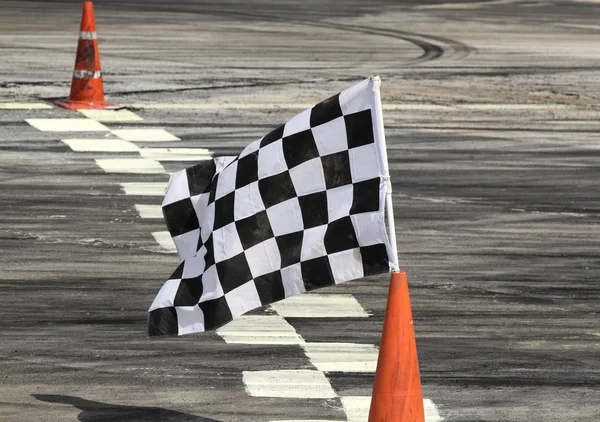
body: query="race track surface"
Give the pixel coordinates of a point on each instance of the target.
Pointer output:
(492, 119)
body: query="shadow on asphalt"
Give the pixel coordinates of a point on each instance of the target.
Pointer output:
(93, 411)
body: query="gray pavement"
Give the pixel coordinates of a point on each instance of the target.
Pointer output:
(493, 128)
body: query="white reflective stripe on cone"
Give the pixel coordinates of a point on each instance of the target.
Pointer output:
(87, 35)
(81, 74)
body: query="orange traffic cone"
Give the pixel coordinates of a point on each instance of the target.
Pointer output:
(86, 86)
(397, 395)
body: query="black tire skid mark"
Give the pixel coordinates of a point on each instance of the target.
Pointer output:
(432, 45)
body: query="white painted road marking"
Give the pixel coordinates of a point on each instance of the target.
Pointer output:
(130, 165)
(320, 306)
(357, 409)
(306, 384)
(145, 135)
(67, 125)
(111, 115)
(176, 154)
(342, 357)
(165, 241)
(260, 329)
(101, 145)
(24, 106)
(144, 188)
(149, 211)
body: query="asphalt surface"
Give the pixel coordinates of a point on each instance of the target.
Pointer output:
(494, 150)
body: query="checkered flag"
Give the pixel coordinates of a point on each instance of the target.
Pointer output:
(298, 209)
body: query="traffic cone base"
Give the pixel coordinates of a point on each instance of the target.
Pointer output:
(86, 85)
(81, 105)
(397, 395)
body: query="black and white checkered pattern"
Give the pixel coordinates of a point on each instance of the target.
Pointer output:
(299, 209)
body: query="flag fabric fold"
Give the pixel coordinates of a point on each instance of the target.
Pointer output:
(298, 209)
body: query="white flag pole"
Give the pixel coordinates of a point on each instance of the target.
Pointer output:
(389, 206)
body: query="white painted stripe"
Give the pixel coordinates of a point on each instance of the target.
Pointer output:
(130, 165)
(101, 145)
(389, 107)
(320, 306)
(176, 154)
(342, 357)
(165, 241)
(149, 211)
(24, 106)
(357, 409)
(67, 125)
(144, 188)
(300, 383)
(145, 135)
(104, 115)
(307, 420)
(87, 74)
(86, 35)
(260, 329)
(431, 411)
